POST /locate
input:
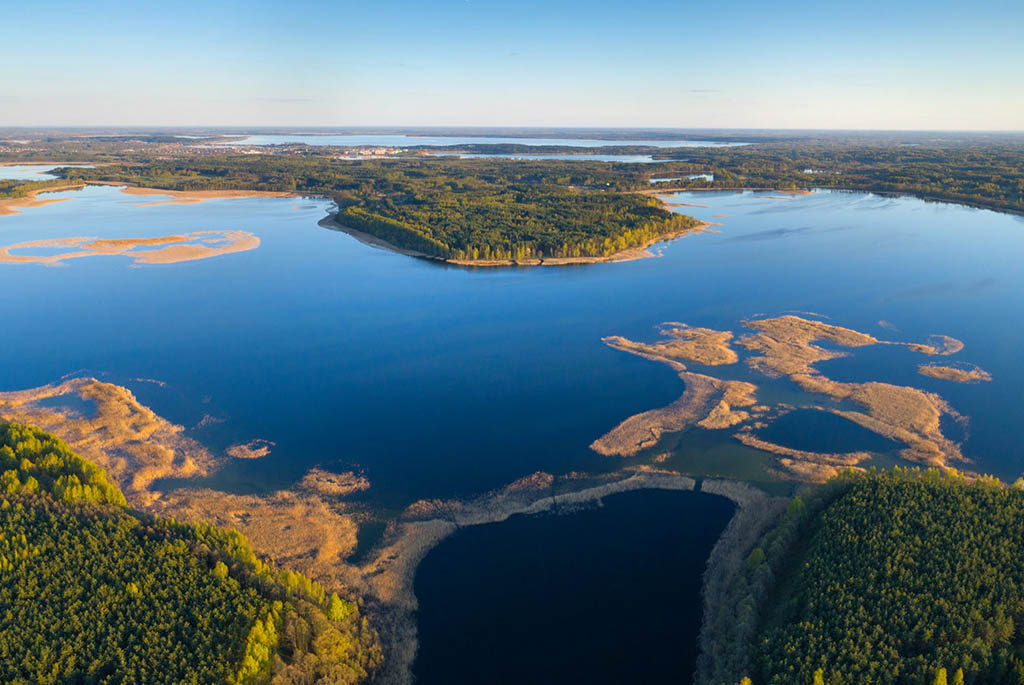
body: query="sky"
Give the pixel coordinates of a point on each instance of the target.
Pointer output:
(870, 64)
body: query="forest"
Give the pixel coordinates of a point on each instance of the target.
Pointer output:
(502, 209)
(901, 576)
(440, 207)
(95, 592)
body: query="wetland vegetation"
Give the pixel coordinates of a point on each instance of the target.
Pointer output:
(96, 592)
(359, 515)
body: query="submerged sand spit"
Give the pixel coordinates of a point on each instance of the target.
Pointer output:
(170, 249)
(334, 484)
(254, 449)
(786, 346)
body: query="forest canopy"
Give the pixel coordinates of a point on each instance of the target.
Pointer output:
(902, 576)
(95, 592)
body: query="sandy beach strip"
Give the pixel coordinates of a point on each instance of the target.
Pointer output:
(14, 205)
(184, 197)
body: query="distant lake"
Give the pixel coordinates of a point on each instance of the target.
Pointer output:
(392, 140)
(610, 594)
(33, 172)
(642, 159)
(441, 381)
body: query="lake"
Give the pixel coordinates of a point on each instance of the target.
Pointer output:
(610, 594)
(440, 381)
(397, 140)
(634, 159)
(32, 172)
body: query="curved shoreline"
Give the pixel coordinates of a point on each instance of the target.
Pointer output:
(390, 575)
(14, 205)
(629, 254)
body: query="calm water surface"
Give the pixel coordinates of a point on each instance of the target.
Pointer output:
(33, 172)
(441, 381)
(642, 159)
(607, 595)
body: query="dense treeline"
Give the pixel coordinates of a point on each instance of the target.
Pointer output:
(449, 208)
(93, 592)
(489, 208)
(15, 188)
(988, 175)
(893, 577)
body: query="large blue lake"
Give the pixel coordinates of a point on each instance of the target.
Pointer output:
(440, 381)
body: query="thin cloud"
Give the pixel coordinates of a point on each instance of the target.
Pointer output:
(285, 100)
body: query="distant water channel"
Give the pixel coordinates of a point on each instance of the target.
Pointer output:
(393, 140)
(609, 594)
(32, 172)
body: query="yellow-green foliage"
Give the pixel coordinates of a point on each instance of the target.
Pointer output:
(93, 592)
(31, 459)
(463, 209)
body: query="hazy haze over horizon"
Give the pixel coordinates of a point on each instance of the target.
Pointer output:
(875, 65)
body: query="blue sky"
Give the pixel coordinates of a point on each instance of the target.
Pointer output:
(869, 64)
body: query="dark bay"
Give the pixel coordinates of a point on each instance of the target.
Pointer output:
(609, 594)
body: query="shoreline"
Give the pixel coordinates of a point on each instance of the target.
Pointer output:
(629, 254)
(683, 189)
(188, 197)
(312, 527)
(390, 575)
(13, 205)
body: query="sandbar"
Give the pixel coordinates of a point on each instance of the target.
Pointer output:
(14, 205)
(185, 197)
(160, 250)
(959, 374)
(254, 449)
(785, 346)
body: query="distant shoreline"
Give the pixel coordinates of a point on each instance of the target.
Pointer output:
(14, 205)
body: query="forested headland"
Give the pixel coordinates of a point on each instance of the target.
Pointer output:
(95, 592)
(493, 209)
(902, 576)
(445, 208)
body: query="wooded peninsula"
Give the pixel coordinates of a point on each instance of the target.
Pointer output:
(494, 210)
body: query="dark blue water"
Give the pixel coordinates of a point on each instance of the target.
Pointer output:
(819, 431)
(443, 381)
(606, 595)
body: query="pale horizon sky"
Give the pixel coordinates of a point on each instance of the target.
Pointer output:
(870, 65)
